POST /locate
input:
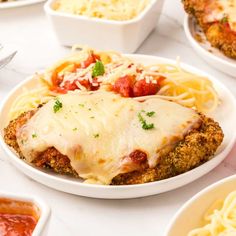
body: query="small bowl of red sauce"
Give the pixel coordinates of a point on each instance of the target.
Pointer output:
(23, 216)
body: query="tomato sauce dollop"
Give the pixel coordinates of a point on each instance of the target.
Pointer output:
(56, 79)
(126, 86)
(16, 224)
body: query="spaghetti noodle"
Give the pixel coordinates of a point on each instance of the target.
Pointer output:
(30, 99)
(89, 70)
(221, 221)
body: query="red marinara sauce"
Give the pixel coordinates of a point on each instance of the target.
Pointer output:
(127, 86)
(17, 218)
(16, 224)
(56, 79)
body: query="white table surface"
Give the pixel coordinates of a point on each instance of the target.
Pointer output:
(28, 29)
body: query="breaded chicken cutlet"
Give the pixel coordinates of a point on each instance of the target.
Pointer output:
(197, 147)
(217, 19)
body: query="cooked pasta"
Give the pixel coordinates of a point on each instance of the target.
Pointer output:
(119, 10)
(30, 99)
(220, 221)
(185, 88)
(89, 70)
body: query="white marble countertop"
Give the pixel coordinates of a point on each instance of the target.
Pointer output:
(28, 29)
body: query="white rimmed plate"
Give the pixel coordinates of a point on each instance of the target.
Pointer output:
(211, 55)
(191, 214)
(18, 3)
(225, 114)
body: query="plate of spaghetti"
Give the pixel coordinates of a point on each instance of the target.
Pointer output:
(212, 212)
(107, 125)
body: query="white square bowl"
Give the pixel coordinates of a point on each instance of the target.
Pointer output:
(123, 36)
(41, 227)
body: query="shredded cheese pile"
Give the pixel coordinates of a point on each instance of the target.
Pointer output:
(118, 10)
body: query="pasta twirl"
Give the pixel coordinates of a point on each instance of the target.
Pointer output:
(220, 222)
(75, 74)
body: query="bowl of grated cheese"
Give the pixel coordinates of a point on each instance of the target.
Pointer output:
(118, 25)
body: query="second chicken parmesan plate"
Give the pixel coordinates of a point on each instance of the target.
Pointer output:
(80, 136)
(210, 54)
(217, 19)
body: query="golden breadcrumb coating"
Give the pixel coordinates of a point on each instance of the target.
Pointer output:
(196, 148)
(218, 33)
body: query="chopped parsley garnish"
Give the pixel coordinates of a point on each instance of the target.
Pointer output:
(98, 69)
(81, 104)
(96, 135)
(91, 117)
(75, 129)
(144, 123)
(57, 106)
(34, 135)
(224, 20)
(151, 113)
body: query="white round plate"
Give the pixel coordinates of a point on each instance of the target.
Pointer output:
(211, 55)
(18, 3)
(225, 114)
(198, 205)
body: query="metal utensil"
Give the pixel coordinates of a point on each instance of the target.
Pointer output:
(5, 60)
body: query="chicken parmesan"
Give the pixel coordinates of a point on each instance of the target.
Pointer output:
(105, 138)
(218, 21)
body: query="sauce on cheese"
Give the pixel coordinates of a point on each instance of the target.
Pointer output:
(221, 9)
(99, 130)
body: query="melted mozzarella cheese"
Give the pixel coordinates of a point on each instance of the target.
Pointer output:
(221, 9)
(98, 131)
